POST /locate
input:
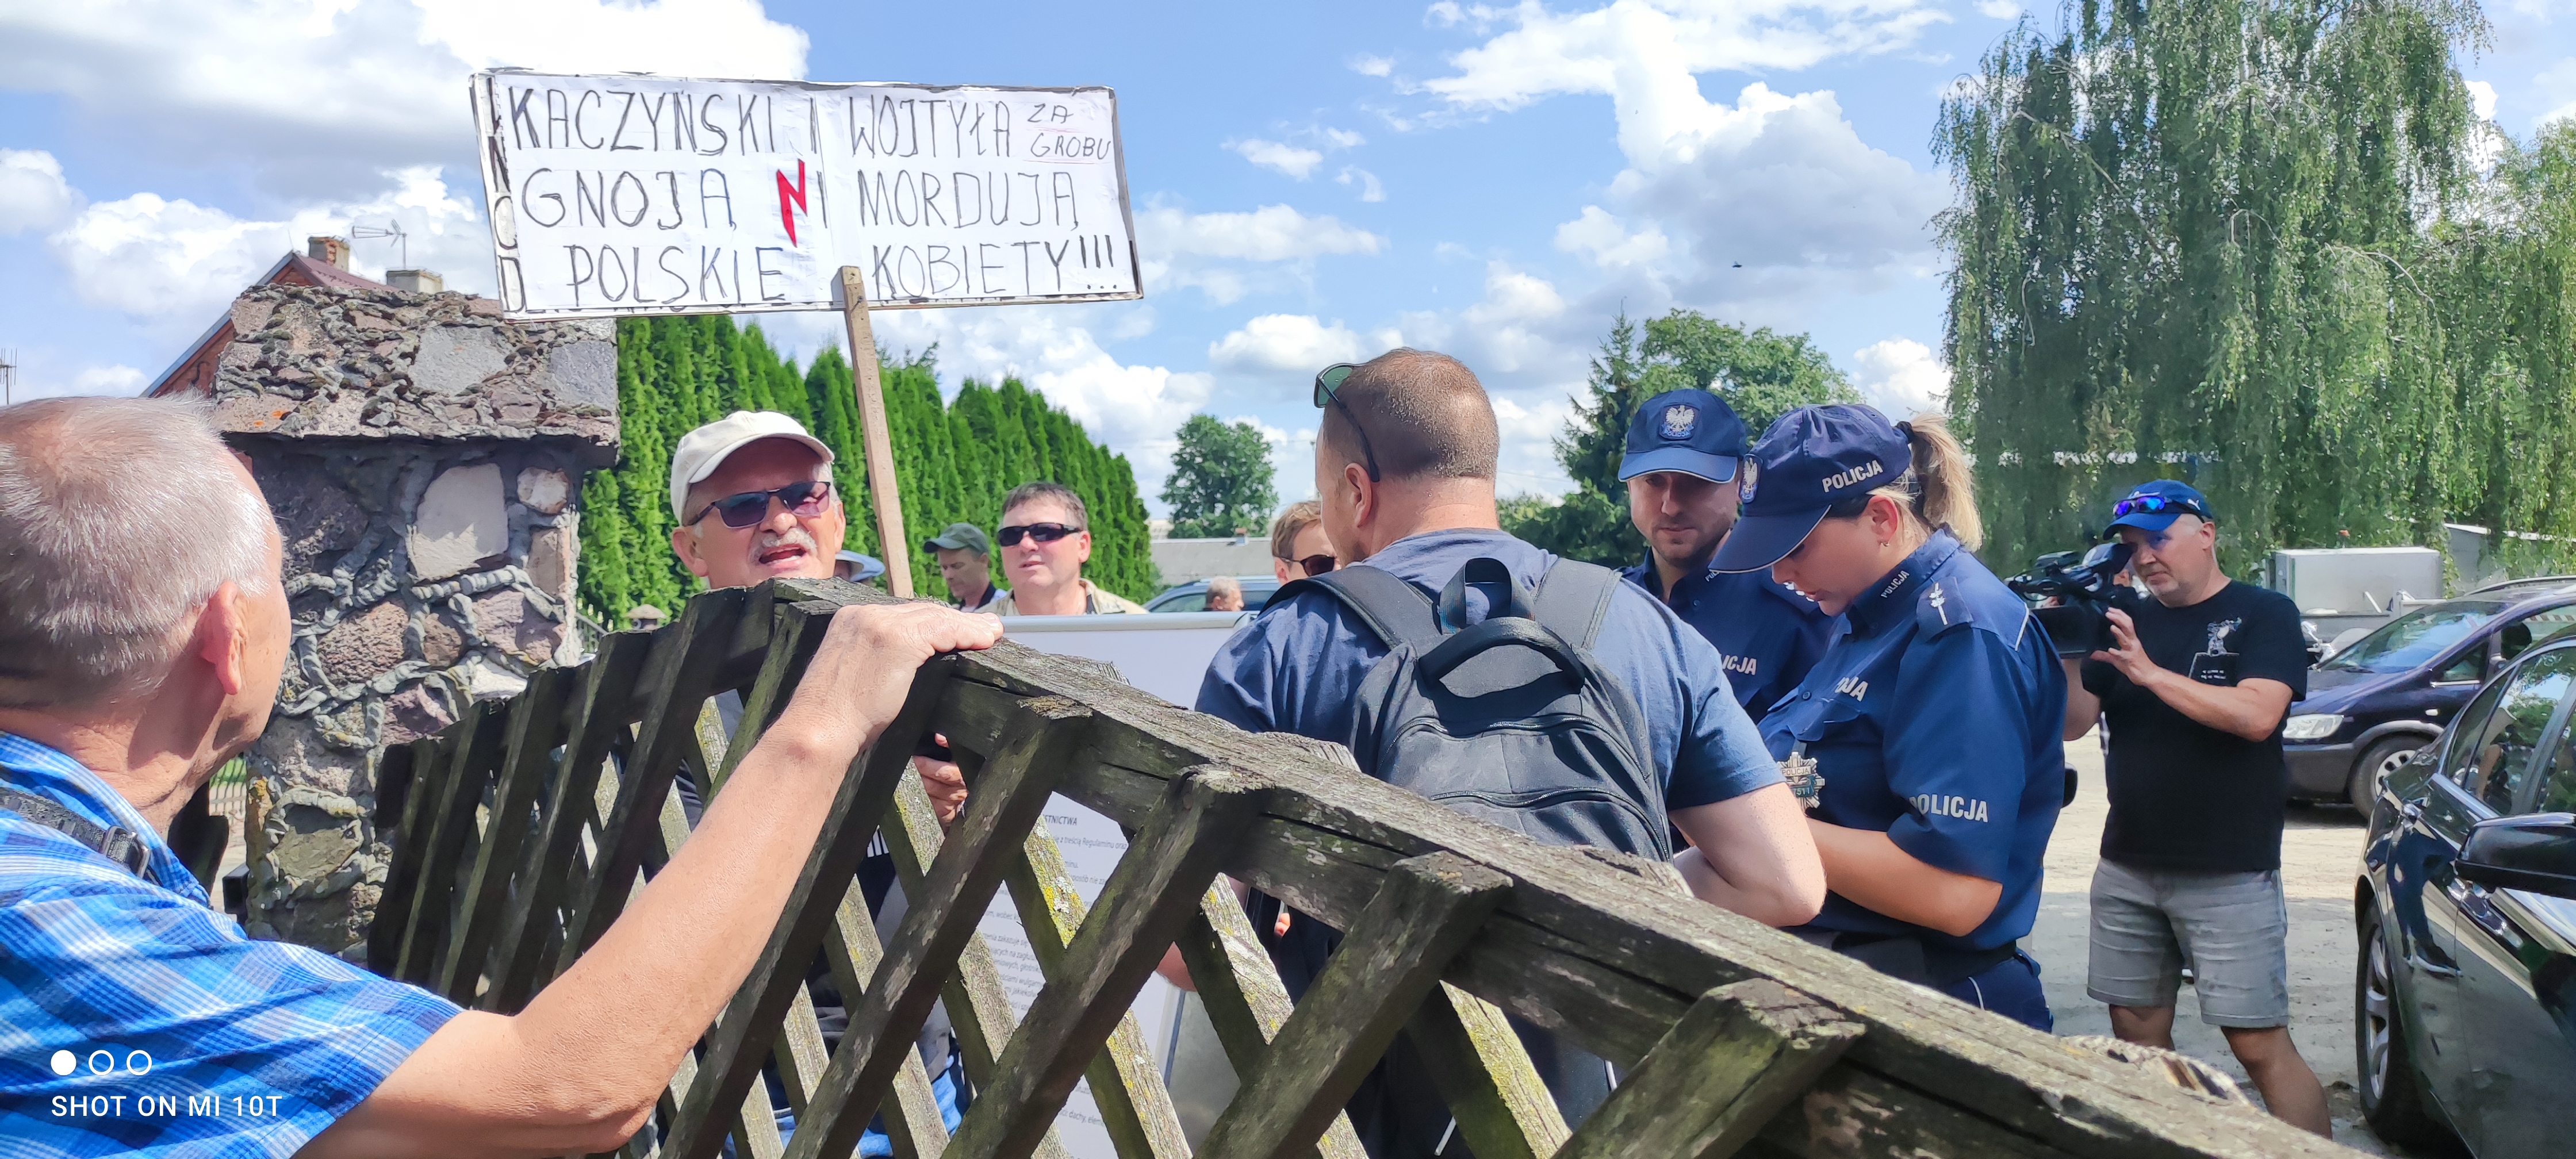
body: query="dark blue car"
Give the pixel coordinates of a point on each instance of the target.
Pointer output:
(2465, 988)
(2377, 701)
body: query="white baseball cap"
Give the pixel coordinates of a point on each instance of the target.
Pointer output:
(703, 450)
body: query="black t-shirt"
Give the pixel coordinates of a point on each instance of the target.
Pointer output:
(2184, 795)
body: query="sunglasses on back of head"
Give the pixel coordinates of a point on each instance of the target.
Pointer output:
(1041, 532)
(2158, 505)
(804, 500)
(1328, 381)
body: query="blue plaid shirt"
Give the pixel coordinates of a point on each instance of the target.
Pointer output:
(135, 1018)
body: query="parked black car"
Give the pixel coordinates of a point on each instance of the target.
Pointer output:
(2372, 704)
(2465, 987)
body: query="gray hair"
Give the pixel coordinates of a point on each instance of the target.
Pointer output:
(120, 517)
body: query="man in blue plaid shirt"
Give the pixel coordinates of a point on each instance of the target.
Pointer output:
(143, 631)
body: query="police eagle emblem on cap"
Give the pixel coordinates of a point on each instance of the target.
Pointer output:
(1680, 420)
(1752, 473)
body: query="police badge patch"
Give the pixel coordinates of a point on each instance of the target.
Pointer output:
(1752, 472)
(1680, 421)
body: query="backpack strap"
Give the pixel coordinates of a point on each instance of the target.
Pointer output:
(118, 845)
(1396, 611)
(1574, 598)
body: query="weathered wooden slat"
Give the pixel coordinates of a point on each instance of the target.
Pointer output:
(912, 1120)
(1246, 1002)
(979, 1010)
(1483, 1072)
(596, 732)
(677, 680)
(536, 723)
(1143, 906)
(1126, 1086)
(1390, 959)
(1741, 1054)
(794, 638)
(451, 828)
(410, 782)
(961, 883)
(734, 1054)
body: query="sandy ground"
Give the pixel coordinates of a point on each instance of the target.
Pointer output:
(2320, 853)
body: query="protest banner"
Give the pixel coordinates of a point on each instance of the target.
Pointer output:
(626, 194)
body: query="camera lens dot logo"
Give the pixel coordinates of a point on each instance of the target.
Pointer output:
(65, 1062)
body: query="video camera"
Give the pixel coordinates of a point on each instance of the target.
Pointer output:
(2081, 583)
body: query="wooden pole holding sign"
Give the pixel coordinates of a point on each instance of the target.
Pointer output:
(872, 425)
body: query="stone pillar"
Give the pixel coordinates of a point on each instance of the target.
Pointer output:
(424, 458)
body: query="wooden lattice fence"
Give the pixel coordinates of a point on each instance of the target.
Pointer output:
(517, 840)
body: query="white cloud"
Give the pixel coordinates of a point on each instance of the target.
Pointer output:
(1133, 409)
(1289, 343)
(318, 97)
(1367, 65)
(1901, 377)
(172, 264)
(1605, 240)
(1200, 249)
(108, 380)
(1644, 54)
(32, 192)
(1287, 159)
(1529, 428)
(2482, 99)
(1370, 188)
(2558, 84)
(1999, 9)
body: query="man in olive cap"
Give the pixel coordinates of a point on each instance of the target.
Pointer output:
(966, 564)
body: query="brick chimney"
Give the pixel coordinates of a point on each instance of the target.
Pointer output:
(334, 250)
(415, 281)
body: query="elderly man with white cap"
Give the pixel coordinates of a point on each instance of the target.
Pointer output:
(754, 498)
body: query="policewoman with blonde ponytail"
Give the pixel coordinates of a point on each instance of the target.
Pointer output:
(1926, 738)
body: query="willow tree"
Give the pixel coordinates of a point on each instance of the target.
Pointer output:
(2220, 241)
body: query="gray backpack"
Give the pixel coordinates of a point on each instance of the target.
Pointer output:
(1511, 720)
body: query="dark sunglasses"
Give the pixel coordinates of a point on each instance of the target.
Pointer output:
(1315, 564)
(2159, 505)
(1041, 532)
(1329, 380)
(803, 500)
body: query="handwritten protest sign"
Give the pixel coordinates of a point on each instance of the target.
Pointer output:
(628, 194)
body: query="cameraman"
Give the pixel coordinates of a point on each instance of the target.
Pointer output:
(2194, 688)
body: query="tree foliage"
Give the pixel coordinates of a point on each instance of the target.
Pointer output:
(1761, 375)
(2264, 246)
(954, 459)
(1221, 480)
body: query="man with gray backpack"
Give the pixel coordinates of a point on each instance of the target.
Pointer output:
(1543, 695)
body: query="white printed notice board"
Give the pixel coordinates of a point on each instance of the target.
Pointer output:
(630, 194)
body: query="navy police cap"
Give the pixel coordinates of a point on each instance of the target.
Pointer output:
(1690, 431)
(1811, 459)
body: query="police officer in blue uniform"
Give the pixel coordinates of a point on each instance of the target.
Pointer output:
(1932, 720)
(1682, 454)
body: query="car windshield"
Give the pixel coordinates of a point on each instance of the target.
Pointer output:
(2407, 642)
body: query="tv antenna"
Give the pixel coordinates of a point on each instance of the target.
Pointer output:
(8, 377)
(392, 229)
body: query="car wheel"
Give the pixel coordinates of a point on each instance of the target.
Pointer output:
(2392, 1096)
(2375, 764)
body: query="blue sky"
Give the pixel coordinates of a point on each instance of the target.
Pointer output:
(1311, 183)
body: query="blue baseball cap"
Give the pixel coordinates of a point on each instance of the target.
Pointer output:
(1690, 431)
(1811, 459)
(2154, 506)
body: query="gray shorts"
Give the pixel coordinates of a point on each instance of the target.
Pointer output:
(2232, 928)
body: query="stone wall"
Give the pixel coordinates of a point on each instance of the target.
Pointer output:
(424, 460)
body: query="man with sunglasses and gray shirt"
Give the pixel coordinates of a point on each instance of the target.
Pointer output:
(1046, 538)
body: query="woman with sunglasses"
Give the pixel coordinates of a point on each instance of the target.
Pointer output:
(1298, 546)
(1931, 721)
